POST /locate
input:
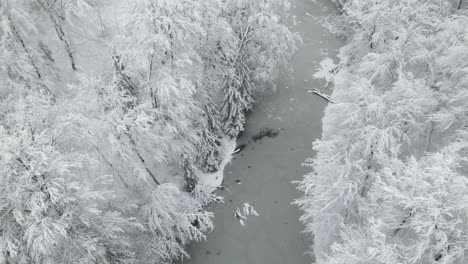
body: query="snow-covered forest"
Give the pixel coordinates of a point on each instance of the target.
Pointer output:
(117, 118)
(389, 182)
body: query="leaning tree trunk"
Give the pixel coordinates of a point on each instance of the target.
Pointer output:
(60, 32)
(23, 45)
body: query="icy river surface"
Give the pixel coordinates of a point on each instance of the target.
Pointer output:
(262, 173)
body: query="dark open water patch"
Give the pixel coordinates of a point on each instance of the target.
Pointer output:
(267, 132)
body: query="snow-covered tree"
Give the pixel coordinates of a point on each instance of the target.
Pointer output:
(263, 44)
(209, 152)
(63, 14)
(361, 131)
(388, 105)
(104, 169)
(158, 48)
(416, 214)
(218, 44)
(174, 218)
(53, 201)
(22, 64)
(126, 142)
(422, 204)
(450, 68)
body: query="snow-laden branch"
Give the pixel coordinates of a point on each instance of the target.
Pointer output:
(322, 95)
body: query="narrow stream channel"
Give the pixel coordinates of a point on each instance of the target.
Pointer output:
(262, 173)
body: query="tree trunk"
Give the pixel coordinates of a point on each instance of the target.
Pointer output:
(25, 49)
(62, 37)
(150, 173)
(60, 33)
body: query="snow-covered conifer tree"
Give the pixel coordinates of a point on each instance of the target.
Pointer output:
(209, 152)
(263, 44)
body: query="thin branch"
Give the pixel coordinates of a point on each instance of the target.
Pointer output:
(111, 166)
(431, 132)
(403, 222)
(322, 95)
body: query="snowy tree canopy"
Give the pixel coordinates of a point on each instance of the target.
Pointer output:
(389, 178)
(110, 114)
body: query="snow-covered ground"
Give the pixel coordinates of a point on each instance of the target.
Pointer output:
(228, 147)
(261, 174)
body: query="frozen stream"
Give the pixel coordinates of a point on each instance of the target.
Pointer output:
(262, 173)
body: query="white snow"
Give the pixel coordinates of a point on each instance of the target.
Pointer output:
(326, 70)
(216, 179)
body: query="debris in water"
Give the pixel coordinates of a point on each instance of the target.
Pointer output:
(267, 132)
(239, 148)
(319, 93)
(238, 181)
(241, 215)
